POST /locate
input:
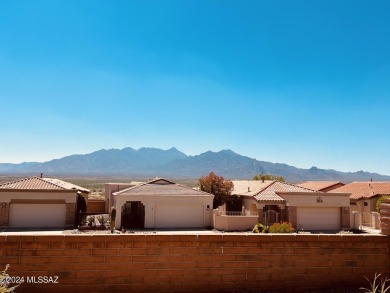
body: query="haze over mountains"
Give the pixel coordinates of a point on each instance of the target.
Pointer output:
(171, 163)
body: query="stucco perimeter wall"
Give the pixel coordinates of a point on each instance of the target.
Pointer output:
(194, 263)
(234, 223)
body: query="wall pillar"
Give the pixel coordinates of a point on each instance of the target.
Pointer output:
(260, 208)
(70, 214)
(345, 218)
(283, 215)
(118, 219)
(385, 216)
(4, 214)
(260, 218)
(292, 216)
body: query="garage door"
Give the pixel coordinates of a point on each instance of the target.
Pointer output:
(318, 218)
(37, 215)
(178, 216)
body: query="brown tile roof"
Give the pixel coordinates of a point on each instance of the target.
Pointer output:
(250, 187)
(318, 185)
(66, 185)
(161, 187)
(30, 183)
(267, 190)
(366, 189)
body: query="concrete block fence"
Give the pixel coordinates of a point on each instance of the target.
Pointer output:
(193, 263)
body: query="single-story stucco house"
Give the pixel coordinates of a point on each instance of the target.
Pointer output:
(36, 202)
(365, 194)
(304, 208)
(161, 203)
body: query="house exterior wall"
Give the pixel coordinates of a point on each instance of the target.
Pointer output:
(371, 204)
(109, 188)
(356, 207)
(248, 202)
(318, 200)
(359, 207)
(310, 199)
(288, 211)
(151, 202)
(68, 197)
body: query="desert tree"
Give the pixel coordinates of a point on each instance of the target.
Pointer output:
(268, 177)
(221, 188)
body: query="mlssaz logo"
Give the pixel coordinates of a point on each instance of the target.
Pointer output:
(42, 279)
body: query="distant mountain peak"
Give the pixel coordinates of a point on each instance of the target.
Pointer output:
(229, 152)
(172, 163)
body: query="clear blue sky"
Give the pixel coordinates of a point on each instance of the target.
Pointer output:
(305, 83)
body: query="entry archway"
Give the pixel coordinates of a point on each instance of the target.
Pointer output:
(133, 215)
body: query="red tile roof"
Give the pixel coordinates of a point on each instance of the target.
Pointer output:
(30, 183)
(318, 185)
(66, 185)
(266, 191)
(365, 189)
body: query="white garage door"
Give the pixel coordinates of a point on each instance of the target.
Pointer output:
(318, 218)
(178, 216)
(37, 215)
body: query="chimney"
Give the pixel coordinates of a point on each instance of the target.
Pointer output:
(249, 189)
(41, 175)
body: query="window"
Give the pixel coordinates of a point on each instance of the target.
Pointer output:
(366, 203)
(353, 203)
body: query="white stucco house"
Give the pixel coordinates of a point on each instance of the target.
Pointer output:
(38, 203)
(305, 209)
(161, 203)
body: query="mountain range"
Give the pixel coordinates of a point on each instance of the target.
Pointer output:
(172, 163)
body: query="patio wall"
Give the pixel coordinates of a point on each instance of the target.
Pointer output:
(234, 223)
(195, 263)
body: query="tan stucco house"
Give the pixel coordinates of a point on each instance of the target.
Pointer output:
(161, 203)
(365, 194)
(37, 203)
(304, 208)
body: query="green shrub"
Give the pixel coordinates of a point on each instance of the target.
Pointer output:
(282, 227)
(260, 228)
(379, 201)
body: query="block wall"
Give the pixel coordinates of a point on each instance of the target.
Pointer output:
(194, 263)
